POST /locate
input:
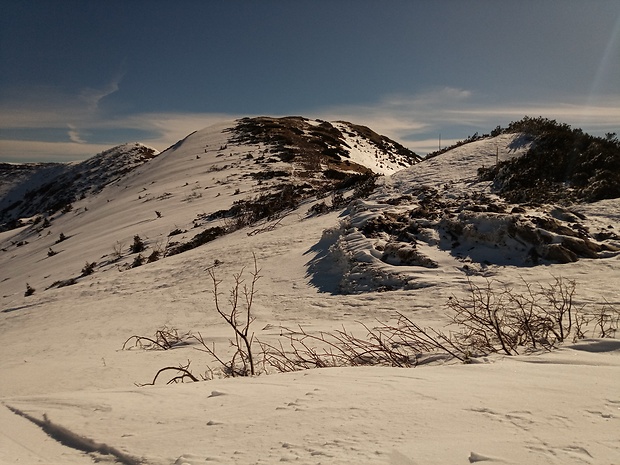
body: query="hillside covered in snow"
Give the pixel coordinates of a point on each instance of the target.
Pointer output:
(351, 255)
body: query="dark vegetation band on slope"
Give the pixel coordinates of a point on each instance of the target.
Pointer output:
(271, 207)
(320, 155)
(532, 223)
(562, 165)
(295, 138)
(292, 137)
(383, 143)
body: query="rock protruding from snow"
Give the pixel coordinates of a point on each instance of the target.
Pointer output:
(439, 214)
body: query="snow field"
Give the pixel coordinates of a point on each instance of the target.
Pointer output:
(62, 359)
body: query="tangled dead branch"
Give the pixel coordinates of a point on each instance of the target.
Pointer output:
(495, 318)
(165, 338)
(339, 348)
(491, 318)
(182, 373)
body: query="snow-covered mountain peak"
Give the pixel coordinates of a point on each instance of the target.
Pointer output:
(129, 153)
(214, 181)
(338, 144)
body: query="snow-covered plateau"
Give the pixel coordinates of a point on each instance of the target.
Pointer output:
(350, 233)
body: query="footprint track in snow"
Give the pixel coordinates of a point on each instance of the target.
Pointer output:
(302, 403)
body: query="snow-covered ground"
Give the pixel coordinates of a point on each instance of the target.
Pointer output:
(67, 389)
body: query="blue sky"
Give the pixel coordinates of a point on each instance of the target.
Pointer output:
(80, 76)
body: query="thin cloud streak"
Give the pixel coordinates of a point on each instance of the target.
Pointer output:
(74, 135)
(412, 120)
(92, 97)
(21, 151)
(41, 107)
(415, 121)
(166, 130)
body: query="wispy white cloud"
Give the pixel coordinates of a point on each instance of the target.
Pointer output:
(92, 97)
(456, 113)
(414, 120)
(161, 130)
(44, 107)
(53, 108)
(74, 135)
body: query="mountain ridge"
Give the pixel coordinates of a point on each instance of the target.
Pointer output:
(247, 182)
(54, 186)
(51, 187)
(250, 174)
(349, 257)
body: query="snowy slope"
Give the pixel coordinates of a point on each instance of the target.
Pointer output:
(563, 409)
(437, 217)
(370, 149)
(66, 385)
(182, 190)
(45, 188)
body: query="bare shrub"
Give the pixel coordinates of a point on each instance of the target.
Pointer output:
(137, 261)
(63, 283)
(493, 319)
(208, 235)
(338, 348)
(319, 208)
(422, 340)
(607, 321)
(138, 245)
(159, 251)
(117, 249)
(267, 227)
(239, 317)
(175, 232)
(165, 338)
(268, 207)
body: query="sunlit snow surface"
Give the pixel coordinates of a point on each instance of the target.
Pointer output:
(61, 348)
